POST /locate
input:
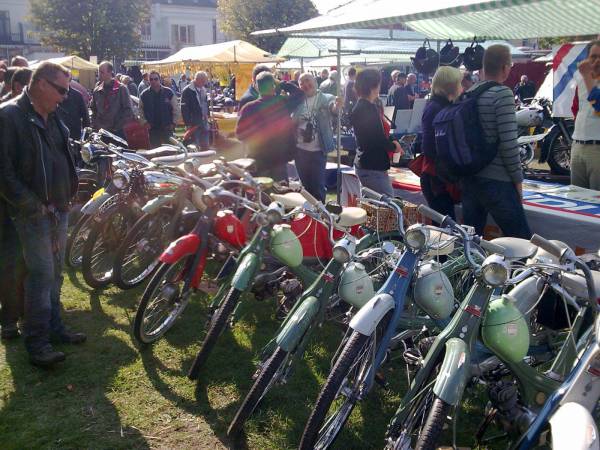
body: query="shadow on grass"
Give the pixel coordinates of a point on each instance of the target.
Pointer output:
(67, 406)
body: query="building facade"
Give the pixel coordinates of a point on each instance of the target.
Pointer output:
(174, 24)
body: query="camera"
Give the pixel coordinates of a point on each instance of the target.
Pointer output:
(308, 134)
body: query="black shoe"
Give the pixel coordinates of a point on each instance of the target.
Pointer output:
(46, 358)
(10, 332)
(71, 337)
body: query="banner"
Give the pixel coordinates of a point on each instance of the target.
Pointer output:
(564, 67)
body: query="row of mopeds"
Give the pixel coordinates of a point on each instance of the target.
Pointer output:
(517, 317)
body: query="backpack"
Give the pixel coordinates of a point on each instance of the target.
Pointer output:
(461, 147)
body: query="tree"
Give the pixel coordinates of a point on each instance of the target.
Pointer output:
(105, 28)
(239, 18)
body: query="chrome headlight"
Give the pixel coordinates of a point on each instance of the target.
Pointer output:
(416, 237)
(121, 179)
(344, 250)
(494, 270)
(87, 152)
(275, 212)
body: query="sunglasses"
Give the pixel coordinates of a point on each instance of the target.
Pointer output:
(61, 90)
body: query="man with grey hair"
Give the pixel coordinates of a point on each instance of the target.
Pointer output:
(412, 90)
(194, 109)
(329, 86)
(37, 182)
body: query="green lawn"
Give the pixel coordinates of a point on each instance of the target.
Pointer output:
(111, 394)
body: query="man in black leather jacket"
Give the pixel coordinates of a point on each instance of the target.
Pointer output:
(37, 182)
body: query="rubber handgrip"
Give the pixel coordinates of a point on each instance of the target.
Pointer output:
(370, 193)
(173, 141)
(430, 213)
(490, 247)
(545, 244)
(309, 197)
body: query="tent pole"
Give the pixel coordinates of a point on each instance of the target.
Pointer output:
(301, 64)
(339, 122)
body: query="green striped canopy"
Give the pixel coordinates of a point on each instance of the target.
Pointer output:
(461, 19)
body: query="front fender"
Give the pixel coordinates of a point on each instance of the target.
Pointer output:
(366, 319)
(185, 245)
(245, 271)
(573, 428)
(153, 205)
(94, 203)
(296, 325)
(454, 373)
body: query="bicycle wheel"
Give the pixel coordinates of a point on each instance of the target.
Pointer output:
(76, 241)
(339, 393)
(137, 256)
(266, 378)
(424, 421)
(162, 302)
(101, 245)
(217, 324)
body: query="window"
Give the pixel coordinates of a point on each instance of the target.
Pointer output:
(183, 34)
(4, 23)
(146, 31)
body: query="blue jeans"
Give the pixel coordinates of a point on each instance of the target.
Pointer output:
(311, 169)
(201, 138)
(500, 199)
(43, 240)
(378, 180)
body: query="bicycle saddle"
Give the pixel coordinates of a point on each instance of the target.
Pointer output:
(202, 157)
(516, 248)
(575, 283)
(440, 244)
(290, 200)
(163, 150)
(351, 216)
(244, 163)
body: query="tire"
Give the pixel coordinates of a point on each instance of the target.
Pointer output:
(424, 421)
(76, 241)
(260, 387)
(559, 152)
(321, 431)
(100, 248)
(167, 276)
(137, 257)
(217, 324)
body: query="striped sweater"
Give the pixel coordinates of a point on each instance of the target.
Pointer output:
(498, 120)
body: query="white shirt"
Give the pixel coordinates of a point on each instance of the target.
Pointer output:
(587, 124)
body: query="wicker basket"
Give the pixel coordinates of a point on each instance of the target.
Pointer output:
(384, 219)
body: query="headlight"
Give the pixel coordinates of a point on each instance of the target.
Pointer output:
(121, 179)
(494, 270)
(275, 212)
(344, 250)
(416, 237)
(86, 153)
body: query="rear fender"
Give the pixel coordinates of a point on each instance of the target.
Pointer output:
(94, 204)
(183, 246)
(245, 272)
(366, 319)
(454, 373)
(296, 325)
(153, 205)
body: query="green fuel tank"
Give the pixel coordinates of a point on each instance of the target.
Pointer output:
(286, 246)
(504, 329)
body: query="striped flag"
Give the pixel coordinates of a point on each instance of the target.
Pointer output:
(564, 66)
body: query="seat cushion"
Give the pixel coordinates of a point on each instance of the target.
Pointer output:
(290, 200)
(516, 248)
(243, 163)
(351, 216)
(163, 150)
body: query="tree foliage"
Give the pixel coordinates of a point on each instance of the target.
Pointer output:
(239, 18)
(105, 28)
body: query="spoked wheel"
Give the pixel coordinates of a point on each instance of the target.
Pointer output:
(559, 155)
(217, 324)
(163, 301)
(424, 422)
(137, 257)
(76, 240)
(340, 393)
(101, 246)
(269, 374)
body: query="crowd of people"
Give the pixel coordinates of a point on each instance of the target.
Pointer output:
(278, 121)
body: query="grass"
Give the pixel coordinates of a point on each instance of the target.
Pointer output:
(110, 394)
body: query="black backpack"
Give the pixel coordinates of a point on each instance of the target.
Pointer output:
(461, 147)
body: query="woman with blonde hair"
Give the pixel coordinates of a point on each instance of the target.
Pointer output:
(441, 196)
